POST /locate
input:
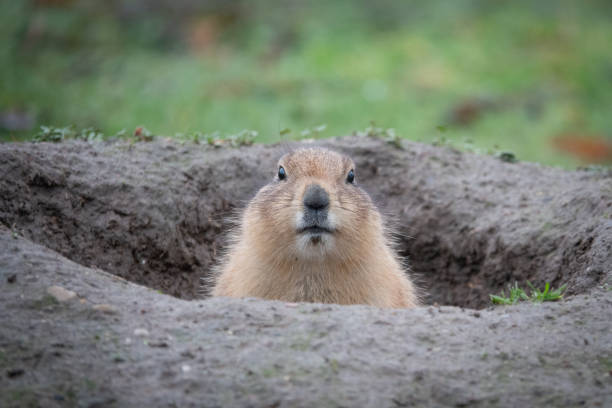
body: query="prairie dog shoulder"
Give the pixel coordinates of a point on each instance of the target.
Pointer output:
(313, 235)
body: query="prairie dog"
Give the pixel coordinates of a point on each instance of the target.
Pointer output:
(313, 235)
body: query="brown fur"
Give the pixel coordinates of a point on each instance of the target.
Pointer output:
(354, 265)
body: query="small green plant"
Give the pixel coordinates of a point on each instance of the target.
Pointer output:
(195, 137)
(314, 132)
(120, 134)
(392, 138)
(57, 134)
(547, 295)
(517, 294)
(507, 157)
(54, 134)
(213, 139)
(389, 135)
(89, 135)
(243, 138)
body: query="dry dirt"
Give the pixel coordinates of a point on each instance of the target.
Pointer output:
(84, 216)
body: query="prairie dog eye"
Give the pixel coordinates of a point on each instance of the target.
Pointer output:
(350, 178)
(281, 173)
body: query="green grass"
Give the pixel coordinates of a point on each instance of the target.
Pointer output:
(141, 134)
(55, 134)
(544, 68)
(517, 294)
(546, 295)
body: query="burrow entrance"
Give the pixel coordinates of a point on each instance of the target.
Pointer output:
(158, 213)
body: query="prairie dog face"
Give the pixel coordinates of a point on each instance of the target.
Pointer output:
(313, 209)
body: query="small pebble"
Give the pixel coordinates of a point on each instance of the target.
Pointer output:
(141, 332)
(185, 368)
(105, 308)
(60, 294)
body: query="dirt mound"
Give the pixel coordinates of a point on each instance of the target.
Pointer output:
(76, 336)
(74, 333)
(157, 213)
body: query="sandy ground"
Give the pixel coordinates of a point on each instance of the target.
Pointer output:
(77, 218)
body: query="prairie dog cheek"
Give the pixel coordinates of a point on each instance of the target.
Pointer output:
(298, 219)
(332, 220)
(346, 220)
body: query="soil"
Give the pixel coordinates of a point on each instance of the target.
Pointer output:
(91, 218)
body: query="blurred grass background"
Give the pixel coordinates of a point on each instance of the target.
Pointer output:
(533, 78)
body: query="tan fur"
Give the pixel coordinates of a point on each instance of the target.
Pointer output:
(353, 265)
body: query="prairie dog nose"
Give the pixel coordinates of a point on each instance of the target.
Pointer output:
(316, 198)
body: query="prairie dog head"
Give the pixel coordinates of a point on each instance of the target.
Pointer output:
(313, 210)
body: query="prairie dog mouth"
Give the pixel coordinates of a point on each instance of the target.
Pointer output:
(315, 229)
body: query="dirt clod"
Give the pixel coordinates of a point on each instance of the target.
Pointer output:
(60, 294)
(105, 308)
(141, 332)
